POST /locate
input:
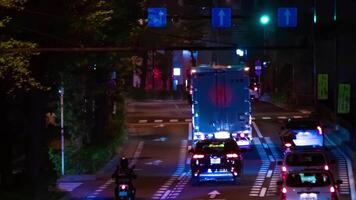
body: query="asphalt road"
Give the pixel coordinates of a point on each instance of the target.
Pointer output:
(158, 143)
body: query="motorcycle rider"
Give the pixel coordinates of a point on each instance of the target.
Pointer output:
(124, 174)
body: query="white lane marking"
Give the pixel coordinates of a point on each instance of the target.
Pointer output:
(137, 153)
(158, 121)
(190, 132)
(178, 175)
(265, 146)
(68, 186)
(271, 158)
(266, 117)
(256, 188)
(142, 121)
(173, 120)
(188, 120)
(275, 152)
(263, 192)
(269, 174)
(281, 117)
(297, 117)
(305, 111)
(257, 130)
(349, 170)
(165, 195)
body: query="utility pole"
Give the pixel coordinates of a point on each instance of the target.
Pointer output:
(61, 93)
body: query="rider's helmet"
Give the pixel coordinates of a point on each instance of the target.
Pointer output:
(124, 163)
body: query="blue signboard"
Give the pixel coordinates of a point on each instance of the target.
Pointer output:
(258, 67)
(221, 17)
(287, 17)
(157, 17)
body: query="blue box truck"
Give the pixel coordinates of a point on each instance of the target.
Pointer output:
(221, 105)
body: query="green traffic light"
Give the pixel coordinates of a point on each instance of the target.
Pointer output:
(264, 19)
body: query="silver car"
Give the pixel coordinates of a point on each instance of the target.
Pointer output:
(299, 160)
(309, 185)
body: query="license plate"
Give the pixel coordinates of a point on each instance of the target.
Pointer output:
(311, 196)
(123, 194)
(214, 160)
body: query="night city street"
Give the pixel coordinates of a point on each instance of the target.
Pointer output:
(177, 99)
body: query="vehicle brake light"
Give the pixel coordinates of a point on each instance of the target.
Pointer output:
(232, 155)
(320, 130)
(255, 88)
(288, 145)
(332, 189)
(242, 135)
(326, 167)
(284, 169)
(197, 156)
(284, 190)
(123, 187)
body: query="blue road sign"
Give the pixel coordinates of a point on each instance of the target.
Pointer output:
(287, 17)
(157, 17)
(221, 17)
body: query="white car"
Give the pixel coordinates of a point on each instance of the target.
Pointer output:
(309, 185)
(299, 160)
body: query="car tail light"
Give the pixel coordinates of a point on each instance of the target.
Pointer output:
(326, 167)
(284, 190)
(242, 135)
(197, 156)
(284, 168)
(332, 189)
(232, 155)
(255, 88)
(287, 145)
(320, 130)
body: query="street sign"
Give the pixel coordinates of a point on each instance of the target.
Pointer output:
(343, 103)
(157, 17)
(221, 17)
(258, 67)
(323, 86)
(287, 17)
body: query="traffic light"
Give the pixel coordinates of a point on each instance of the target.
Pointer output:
(264, 19)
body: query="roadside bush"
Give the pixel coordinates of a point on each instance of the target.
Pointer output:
(88, 159)
(280, 98)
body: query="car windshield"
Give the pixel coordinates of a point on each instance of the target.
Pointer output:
(213, 146)
(302, 125)
(308, 179)
(305, 159)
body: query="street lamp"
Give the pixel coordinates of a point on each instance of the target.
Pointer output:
(61, 93)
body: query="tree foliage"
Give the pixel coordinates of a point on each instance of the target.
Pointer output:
(15, 73)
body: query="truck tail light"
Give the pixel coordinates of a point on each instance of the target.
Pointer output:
(197, 156)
